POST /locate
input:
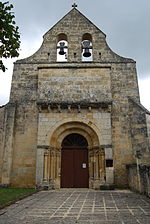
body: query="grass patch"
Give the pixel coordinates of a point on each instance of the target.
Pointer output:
(8, 195)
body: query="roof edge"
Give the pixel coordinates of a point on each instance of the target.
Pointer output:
(139, 105)
(67, 15)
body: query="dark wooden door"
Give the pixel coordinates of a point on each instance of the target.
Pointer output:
(74, 164)
(67, 169)
(81, 168)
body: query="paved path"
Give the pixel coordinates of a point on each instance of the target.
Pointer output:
(79, 206)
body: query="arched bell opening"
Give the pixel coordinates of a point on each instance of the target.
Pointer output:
(86, 46)
(62, 48)
(74, 162)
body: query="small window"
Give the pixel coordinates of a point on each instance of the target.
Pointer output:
(109, 163)
(62, 48)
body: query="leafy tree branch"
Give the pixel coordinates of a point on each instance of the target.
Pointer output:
(9, 34)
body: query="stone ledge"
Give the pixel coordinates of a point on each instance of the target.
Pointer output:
(78, 64)
(101, 147)
(78, 105)
(83, 65)
(139, 105)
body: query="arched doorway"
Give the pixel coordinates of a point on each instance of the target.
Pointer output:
(86, 140)
(74, 162)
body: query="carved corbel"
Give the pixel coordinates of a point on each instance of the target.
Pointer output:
(59, 108)
(79, 109)
(69, 108)
(49, 108)
(40, 108)
(109, 108)
(90, 109)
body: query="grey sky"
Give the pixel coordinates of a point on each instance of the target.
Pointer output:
(126, 24)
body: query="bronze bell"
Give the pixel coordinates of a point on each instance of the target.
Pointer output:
(62, 45)
(86, 47)
(86, 53)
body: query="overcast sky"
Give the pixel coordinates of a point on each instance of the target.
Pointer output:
(126, 24)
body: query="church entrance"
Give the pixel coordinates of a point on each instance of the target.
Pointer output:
(74, 162)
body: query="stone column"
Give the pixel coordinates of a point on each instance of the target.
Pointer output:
(91, 168)
(54, 178)
(58, 168)
(102, 167)
(97, 171)
(39, 166)
(51, 168)
(46, 167)
(52, 165)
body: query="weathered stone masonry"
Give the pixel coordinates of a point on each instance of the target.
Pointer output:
(98, 99)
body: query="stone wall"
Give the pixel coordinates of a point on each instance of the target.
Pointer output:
(123, 85)
(84, 84)
(8, 140)
(139, 173)
(24, 83)
(18, 137)
(2, 134)
(139, 178)
(138, 128)
(148, 125)
(145, 179)
(25, 144)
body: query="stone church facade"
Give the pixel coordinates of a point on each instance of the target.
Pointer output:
(72, 120)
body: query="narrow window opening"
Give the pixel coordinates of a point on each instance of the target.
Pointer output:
(86, 46)
(109, 163)
(62, 48)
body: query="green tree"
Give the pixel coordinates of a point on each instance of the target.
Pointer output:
(9, 34)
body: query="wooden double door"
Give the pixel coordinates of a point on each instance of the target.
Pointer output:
(74, 162)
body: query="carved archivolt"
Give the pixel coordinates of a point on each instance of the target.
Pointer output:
(85, 129)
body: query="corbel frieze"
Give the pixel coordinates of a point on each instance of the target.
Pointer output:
(59, 106)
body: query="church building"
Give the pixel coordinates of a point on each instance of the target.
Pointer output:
(74, 119)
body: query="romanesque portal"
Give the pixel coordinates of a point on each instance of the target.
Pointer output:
(74, 158)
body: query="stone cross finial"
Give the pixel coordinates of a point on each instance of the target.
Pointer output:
(74, 5)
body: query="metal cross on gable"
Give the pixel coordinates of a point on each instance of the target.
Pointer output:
(74, 5)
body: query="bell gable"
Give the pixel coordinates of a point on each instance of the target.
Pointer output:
(71, 31)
